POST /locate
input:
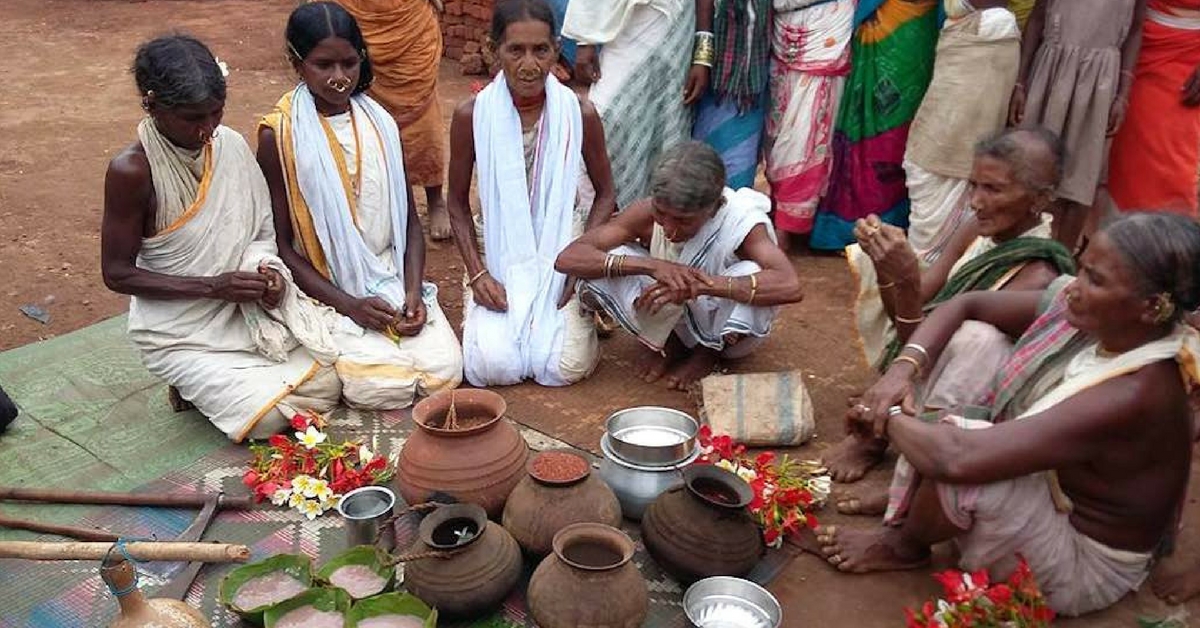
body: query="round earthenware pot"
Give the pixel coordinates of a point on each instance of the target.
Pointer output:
(589, 580)
(702, 528)
(478, 463)
(139, 612)
(542, 503)
(479, 562)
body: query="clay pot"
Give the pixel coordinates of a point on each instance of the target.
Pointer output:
(539, 507)
(589, 580)
(473, 573)
(139, 612)
(702, 528)
(478, 464)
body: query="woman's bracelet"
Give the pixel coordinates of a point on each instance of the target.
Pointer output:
(753, 289)
(910, 360)
(918, 349)
(885, 286)
(473, 279)
(909, 321)
(704, 52)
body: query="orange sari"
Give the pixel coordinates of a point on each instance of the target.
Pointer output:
(404, 43)
(1154, 158)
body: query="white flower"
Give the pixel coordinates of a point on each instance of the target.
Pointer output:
(330, 500)
(222, 65)
(281, 496)
(311, 509)
(747, 474)
(296, 501)
(318, 489)
(364, 454)
(300, 484)
(777, 543)
(310, 438)
(820, 487)
(726, 464)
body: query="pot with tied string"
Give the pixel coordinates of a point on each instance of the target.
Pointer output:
(702, 528)
(589, 580)
(136, 610)
(464, 447)
(461, 564)
(560, 490)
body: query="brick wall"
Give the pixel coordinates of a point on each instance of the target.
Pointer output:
(465, 25)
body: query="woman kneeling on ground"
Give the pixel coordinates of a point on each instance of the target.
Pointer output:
(1004, 245)
(1081, 457)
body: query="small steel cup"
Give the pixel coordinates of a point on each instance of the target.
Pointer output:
(366, 510)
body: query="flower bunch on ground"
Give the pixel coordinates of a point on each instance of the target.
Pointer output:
(972, 602)
(786, 491)
(307, 471)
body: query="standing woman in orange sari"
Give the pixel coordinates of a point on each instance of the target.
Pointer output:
(405, 44)
(1156, 153)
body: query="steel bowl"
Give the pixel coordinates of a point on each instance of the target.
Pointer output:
(652, 435)
(636, 486)
(727, 602)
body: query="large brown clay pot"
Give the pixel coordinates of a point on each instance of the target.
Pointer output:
(589, 580)
(479, 463)
(475, 572)
(702, 528)
(543, 504)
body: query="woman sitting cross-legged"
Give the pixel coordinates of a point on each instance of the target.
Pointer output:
(1080, 457)
(1004, 245)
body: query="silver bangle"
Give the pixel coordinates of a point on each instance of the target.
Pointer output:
(919, 349)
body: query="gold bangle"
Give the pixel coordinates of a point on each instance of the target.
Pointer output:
(885, 286)
(729, 286)
(753, 289)
(608, 265)
(919, 349)
(472, 280)
(911, 360)
(704, 52)
(620, 266)
(909, 321)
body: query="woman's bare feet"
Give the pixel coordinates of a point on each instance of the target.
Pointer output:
(1176, 586)
(439, 218)
(869, 549)
(849, 460)
(693, 368)
(869, 503)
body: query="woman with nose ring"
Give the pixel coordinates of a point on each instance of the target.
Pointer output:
(346, 221)
(530, 139)
(187, 232)
(712, 279)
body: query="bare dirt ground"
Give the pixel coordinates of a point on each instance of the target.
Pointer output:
(69, 104)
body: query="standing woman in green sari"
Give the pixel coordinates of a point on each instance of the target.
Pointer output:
(892, 63)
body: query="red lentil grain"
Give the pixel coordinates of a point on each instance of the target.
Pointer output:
(557, 466)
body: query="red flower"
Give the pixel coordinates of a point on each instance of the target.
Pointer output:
(770, 535)
(280, 441)
(299, 422)
(705, 435)
(477, 86)
(1000, 594)
(250, 478)
(764, 459)
(811, 522)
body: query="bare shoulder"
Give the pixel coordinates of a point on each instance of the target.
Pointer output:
(464, 112)
(1036, 275)
(129, 166)
(1153, 393)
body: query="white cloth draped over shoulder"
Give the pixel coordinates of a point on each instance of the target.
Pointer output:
(355, 268)
(526, 225)
(593, 23)
(350, 174)
(706, 320)
(245, 368)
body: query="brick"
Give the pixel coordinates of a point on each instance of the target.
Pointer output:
(471, 64)
(471, 47)
(454, 8)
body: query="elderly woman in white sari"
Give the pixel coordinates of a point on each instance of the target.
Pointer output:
(346, 221)
(712, 280)
(532, 141)
(187, 231)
